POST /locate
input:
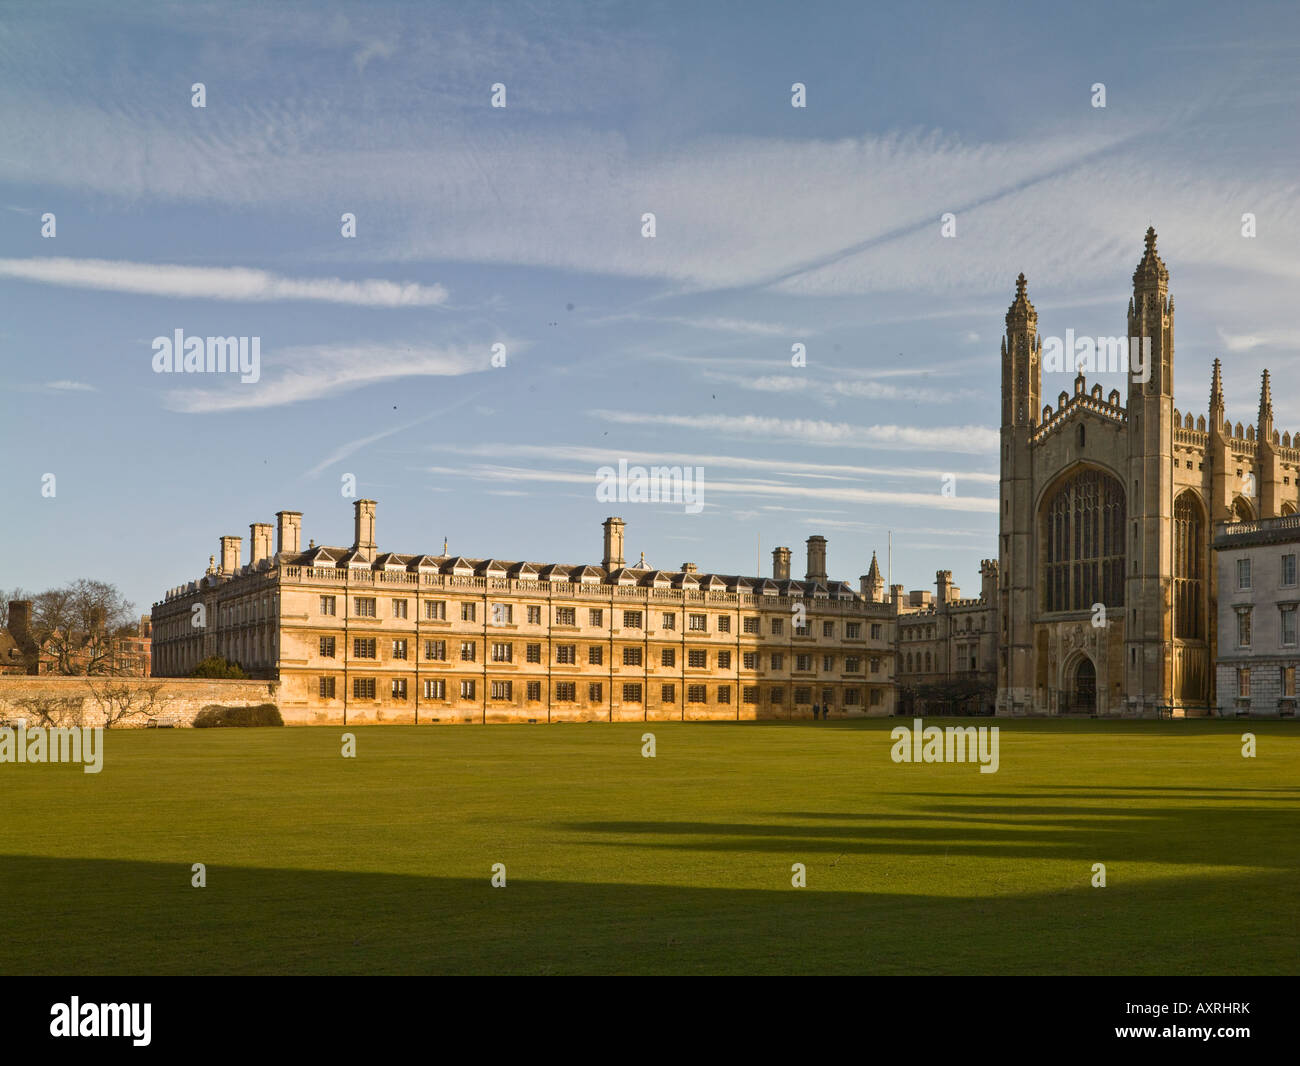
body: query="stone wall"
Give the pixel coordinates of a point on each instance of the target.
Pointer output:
(171, 700)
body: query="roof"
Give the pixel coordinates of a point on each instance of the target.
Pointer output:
(642, 577)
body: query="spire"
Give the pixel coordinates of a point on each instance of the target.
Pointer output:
(1265, 425)
(1216, 387)
(873, 574)
(1152, 269)
(1021, 309)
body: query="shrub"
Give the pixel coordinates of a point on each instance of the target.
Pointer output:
(215, 715)
(216, 666)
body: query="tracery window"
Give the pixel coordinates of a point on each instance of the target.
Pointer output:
(1189, 568)
(1083, 536)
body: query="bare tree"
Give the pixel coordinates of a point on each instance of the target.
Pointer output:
(55, 712)
(122, 701)
(6, 595)
(54, 627)
(78, 625)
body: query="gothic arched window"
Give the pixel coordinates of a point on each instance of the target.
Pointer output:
(1083, 543)
(1189, 568)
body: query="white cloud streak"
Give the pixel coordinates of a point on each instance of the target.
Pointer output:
(967, 440)
(298, 374)
(217, 283)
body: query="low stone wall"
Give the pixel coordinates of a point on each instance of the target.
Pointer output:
(132, 701)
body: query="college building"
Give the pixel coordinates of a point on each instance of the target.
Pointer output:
(1258, 600)
(357, 635)
(1107, 599)
(1104, 599)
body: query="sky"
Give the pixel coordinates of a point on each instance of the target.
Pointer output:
(522, 226)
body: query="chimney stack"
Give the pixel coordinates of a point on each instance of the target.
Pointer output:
(816, 560)
(20, 620)
(20, 628)
(613, 557)
(364, 541)
(231, 547)
(259, 543)
(896, 597)
(781, 564)
(288, 535)
(690, 568)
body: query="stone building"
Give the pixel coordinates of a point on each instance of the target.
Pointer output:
(1107, 597)
(354, 634)
(1258, 602)
(947, 646)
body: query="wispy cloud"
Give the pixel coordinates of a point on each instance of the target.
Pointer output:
(307, 373)
(831, 392)
(715, 323)
(596, 457)
(755, 487)
(970, 440)
(218, 283)
(56, 386)
(1245, 342)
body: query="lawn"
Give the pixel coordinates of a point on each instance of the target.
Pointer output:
(616, 863)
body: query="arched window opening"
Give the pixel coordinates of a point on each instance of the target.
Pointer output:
(1083, 538)
(1189, 568)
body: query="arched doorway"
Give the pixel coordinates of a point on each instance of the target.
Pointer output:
(1083, 686)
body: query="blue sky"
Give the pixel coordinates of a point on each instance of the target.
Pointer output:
(522, 226)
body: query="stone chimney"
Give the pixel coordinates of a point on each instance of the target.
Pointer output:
(20, 628)
(781, 564)
(613, 559)
(20, 622)
(288, 534)
(816, 560)
(896, 596)
(231, 547)
(259, 543)
(364, 539)
(690, 568)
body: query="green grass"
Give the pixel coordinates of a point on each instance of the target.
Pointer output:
(677, 864)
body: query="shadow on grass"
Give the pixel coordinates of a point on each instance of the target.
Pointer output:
(96, 917)
(1169, 727)
(1188, 833)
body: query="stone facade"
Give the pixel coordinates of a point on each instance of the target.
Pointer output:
(1259, 608)
(356, 635)
(1107, 600)
(949, 643)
